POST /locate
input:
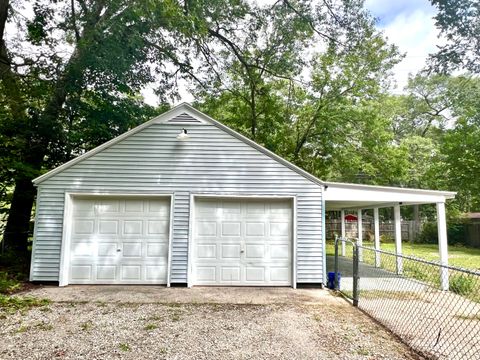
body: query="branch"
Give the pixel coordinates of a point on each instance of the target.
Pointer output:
(231, 45)
(74, 21)
(182, 66)
(310, 22)
(83, 6)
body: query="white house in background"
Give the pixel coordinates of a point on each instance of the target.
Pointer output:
(185, 200)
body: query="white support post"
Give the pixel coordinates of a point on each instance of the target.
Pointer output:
(342, 212)
(442, 244)
(377, 236)
(398, 238)
(360, 233)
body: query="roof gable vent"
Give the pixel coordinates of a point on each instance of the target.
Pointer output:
(184, 118)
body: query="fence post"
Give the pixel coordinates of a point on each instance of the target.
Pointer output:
(398, 238)
(343, 231)
(336, 287)
(355, 274)
(376, 219)
(360, 232)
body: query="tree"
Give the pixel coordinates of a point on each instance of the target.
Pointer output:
(459, 23)
(70, 78)
(461, 145)
(323, 117)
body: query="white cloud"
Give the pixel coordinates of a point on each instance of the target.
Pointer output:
(409, 25)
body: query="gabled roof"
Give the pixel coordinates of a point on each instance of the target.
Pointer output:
(181, 114)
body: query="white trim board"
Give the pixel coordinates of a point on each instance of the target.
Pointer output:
(67, 226)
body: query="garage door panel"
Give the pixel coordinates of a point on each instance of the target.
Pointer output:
(255, 274)
(132, 227)
(81, 272)
(134, 206)
(242, 242)
(84, 227)
(126, 242)
(106, 273)
(157, 250)
(108, 227)
(131, 272)
(231, 228)
(108, 206)
(231, 274)
(206, 274)
(255, 228)
(82, 249)
(107, 249)
(131, 249)
(157, 227)
(156, 273)
(280, 274)
(256, 208)
(230, 251)
(206, 228)
(280, 228)
(255, 251)
(159, 207)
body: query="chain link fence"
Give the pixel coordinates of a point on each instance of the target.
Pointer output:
(434, 309)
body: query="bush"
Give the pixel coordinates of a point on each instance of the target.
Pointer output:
(8, 284)
(455, 233)
(462, 284)
(386, 238)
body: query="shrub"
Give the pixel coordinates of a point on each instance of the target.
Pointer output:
(8, 284)
(386, 238)
(455, 233)
(462, 284)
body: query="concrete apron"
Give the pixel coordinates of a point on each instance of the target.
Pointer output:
(201, 295)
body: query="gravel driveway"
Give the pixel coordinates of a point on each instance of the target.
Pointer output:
(105, 323)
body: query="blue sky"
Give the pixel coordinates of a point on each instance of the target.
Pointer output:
(387, 11)
(409, 25)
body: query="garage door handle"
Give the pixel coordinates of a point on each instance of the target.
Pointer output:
(242, 251)
(118, 250)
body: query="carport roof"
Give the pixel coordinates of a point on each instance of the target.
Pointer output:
(340, 196)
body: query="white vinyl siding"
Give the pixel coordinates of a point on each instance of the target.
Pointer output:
(153, 161)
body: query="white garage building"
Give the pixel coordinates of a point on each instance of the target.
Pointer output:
(185, 200)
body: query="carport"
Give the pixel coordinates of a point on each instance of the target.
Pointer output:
(347, 197)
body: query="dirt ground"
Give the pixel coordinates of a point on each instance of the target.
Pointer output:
(141, 322)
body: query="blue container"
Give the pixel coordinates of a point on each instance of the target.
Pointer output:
(331, 280)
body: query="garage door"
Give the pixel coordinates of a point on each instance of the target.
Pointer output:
(242, 242)
(119, 241)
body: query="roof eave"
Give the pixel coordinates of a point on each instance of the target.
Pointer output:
(446, 194)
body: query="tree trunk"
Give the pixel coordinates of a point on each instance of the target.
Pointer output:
(18, 224)
(3, 16)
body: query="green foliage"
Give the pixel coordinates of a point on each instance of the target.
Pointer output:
(124, 347)
(459, 23)
(455, 233)
(463, 284)
(14, 303)
(8, 283)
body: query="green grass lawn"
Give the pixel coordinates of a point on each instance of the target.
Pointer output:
(461, 256)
